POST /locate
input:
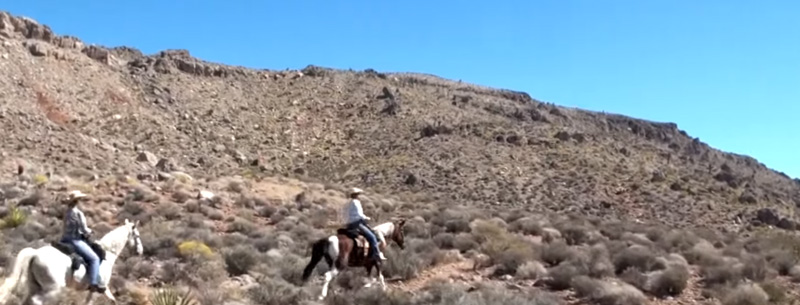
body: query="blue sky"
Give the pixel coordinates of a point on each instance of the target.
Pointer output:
(727, 72)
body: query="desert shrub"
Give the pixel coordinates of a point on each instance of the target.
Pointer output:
(465, 242)
(196, 222)
(169, 210)
(678, 241)
(14, 218)
(265, 244)
(445, 240)
(781, 260)
(557, 252)
(668, 282)
(212, 213)
(271, 291)
(594, 259)
(240, 260)
(181, 196)
(243, 226)
(267, 211)
(193, 249)
(746, 294)
(777, 294)
(794, 273)
(756, 268)
(608, 293)
(637, 238)
(728, 272)
(531, 270)
(561, 276)
(438, 293)
(370, 297)
(405, 264)
(526, 225)
(635, 256)
(503, 248)
(703, 253)
(575, 234)
(170, 296)
(141, 193)
(135, 268)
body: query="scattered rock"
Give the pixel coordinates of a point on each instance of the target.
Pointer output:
(411, 179)
(747, 197)
(205, 195)
(728, 178)
(98, 53)
(162, 176)
(562, 136)
(658, 176)
(166, 165)
(148, 157)
(37, 49)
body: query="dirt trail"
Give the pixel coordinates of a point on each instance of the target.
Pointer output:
(457, 271)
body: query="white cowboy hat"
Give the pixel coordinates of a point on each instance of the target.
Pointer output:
(76, 194)
(356, 190)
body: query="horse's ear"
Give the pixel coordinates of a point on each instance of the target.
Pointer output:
(127, 221)
(401, 222)
(136, 224)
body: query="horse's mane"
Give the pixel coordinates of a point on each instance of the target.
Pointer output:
(113, 239)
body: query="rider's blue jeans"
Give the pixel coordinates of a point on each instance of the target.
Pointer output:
(92, 261)
(373, 241)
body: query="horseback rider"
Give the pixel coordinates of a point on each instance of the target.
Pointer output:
(77, 233)
(355, 219)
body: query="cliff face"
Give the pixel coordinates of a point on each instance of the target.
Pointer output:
(71, 105)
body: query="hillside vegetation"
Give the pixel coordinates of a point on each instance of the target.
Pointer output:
(510, 200)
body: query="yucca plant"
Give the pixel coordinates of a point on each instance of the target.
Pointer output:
(15, 218)
(170, 296)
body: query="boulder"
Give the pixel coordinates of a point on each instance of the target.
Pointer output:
(787, 224)
(767, 216)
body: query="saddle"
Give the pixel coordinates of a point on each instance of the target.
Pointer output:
(77, 259)
(361, 243)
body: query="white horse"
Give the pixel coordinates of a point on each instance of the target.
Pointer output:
(328, 248)
(44, 272)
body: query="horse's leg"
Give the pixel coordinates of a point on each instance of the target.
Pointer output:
(330, 275)
(89, 298)
(370, 279)
(45, 297)
(380, 276)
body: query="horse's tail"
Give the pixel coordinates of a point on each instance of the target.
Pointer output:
(319, 249)
(19, 275)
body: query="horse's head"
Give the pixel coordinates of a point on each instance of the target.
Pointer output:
(397, 233)
(133, 236)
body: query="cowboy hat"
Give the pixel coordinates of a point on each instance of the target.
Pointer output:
(76, 194)
(356, 190)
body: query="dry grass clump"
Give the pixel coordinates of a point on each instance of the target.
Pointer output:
(670, 281)
(451, 294)
(746, 294)
(272, 291)
(505, 249)
(635, 256)
(608, 292)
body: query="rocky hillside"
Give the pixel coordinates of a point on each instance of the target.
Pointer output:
(117, 120)
(67, 103)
